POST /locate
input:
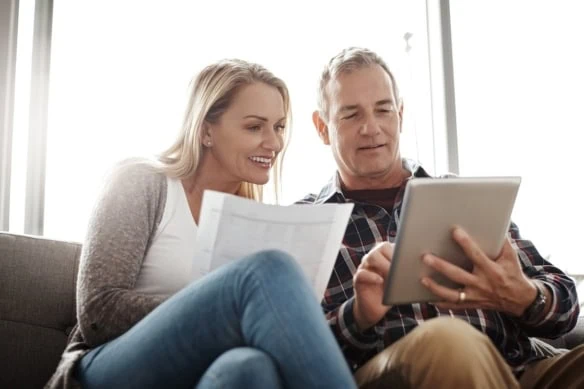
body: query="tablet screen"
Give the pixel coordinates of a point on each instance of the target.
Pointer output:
(482, 206)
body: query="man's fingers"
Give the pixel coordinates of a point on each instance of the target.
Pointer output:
(376, 262)
(471, 305)
(453, 272)
(386, 249)
(365, 276)
(445, 294)
(508, 249)
(473, 251)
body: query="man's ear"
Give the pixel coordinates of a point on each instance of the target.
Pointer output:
(321, 127)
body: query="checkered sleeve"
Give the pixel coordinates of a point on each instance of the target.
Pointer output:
(357, 346)
(564, 311)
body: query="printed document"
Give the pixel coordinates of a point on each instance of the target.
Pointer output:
(232, 227)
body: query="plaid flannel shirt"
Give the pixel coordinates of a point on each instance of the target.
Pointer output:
(370, 224)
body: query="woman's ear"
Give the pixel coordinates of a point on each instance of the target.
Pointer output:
(321, 127)
(206, 139)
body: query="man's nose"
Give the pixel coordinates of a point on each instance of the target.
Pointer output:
(369, 126)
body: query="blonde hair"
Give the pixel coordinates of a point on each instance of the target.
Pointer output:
(348, 60)
(210, 95)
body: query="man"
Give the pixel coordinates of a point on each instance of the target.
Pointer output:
(508, 299)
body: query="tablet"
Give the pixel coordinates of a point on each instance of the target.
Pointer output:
(431, 208)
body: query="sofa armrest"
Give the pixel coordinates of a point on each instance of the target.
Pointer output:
(572, 339)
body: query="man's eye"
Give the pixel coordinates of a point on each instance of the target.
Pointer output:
(351, 116)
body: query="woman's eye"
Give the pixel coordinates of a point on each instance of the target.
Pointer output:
(254, 128)
(280, 128)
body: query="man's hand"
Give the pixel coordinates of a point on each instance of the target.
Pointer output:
(496, 284)
(368, 282)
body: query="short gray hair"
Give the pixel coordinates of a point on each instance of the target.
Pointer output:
(352, 58)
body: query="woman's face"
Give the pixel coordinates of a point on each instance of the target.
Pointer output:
(249, 135)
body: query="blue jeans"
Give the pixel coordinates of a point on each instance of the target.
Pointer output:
(254, 323)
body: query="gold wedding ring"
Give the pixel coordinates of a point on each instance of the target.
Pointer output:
(461, 297)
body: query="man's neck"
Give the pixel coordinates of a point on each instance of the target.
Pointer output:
(392, 179)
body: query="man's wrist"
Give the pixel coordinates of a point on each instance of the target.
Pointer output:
(528, 297)
(538, 306)
(360, 322)
(348, 327)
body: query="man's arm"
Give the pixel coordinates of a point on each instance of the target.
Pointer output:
(508, 284)
(357, 346)
(562, 308)
(353, 320)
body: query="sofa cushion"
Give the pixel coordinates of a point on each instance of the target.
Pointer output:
(576, 337)
(37, 281)
(37, 307)
(29, 354)
(571, 340)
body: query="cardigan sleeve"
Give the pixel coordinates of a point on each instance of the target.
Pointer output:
(120, 231)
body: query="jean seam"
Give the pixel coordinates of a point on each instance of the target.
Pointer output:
(266, 295)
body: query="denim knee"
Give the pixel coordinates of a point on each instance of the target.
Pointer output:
(242, 367)
(270, 262)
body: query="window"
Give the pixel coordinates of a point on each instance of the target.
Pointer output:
(120, 71)
(21, 115)
(519, 82)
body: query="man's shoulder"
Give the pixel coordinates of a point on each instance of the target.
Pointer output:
(323, 195)
(308, 199)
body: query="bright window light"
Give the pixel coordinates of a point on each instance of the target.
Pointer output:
(519, 82)
(120, 71)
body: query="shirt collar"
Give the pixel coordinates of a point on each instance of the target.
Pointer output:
(332, 190)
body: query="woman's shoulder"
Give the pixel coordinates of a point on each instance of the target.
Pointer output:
(138, 168)
(134, 181)
(135, 173)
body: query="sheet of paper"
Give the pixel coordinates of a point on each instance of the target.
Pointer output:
(232, 227)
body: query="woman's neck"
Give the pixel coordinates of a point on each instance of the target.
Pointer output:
(210, 175)
(207, 177)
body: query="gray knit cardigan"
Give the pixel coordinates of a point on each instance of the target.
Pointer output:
(120, 233)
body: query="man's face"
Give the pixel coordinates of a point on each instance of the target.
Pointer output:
(364, 125)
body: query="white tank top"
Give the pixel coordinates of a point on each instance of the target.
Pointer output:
(167, 266)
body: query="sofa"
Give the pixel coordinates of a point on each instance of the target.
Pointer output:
(37, 308)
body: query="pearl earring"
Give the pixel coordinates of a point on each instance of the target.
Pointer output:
(209, 143)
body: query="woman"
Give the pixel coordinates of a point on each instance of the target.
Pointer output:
(253, 323)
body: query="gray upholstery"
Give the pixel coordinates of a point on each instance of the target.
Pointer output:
(37, 308)
(573, 339)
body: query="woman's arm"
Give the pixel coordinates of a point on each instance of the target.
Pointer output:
(120, 231)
